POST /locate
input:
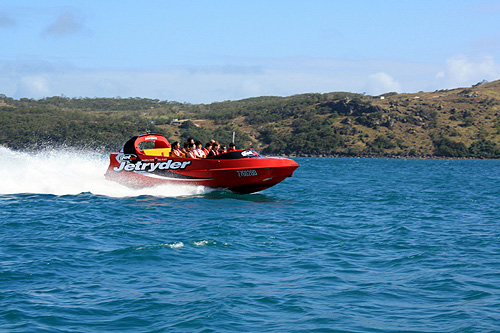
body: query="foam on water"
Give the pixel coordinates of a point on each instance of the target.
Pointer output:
(70, 172)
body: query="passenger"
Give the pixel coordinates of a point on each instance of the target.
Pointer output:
(232, 147)
(223, 149)
(208, 147)
(191, 153)
(185, 149)
(176, 150)
(215, 149)
(199, 150)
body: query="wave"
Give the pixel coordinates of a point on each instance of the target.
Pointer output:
(71, 172)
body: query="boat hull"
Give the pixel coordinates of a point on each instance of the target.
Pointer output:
(239, 174)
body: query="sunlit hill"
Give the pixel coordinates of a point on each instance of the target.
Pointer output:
(462, 122)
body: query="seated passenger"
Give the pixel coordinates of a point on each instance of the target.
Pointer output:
(199, 150)
(185, 149)
(232, 147)
(208, 147)
(215, 149)
(223, 149)
(191, 153)
(176, 150)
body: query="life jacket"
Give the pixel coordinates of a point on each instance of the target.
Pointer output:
(200, 153)
(178, 151)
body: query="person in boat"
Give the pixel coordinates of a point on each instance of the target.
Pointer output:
(199, 150)
(185, 149)
(223, 149)
(191, 153)
(215, 149)
(176, 150)
(208, 147)
(232, 147)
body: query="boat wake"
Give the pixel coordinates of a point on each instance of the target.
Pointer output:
(71, 172)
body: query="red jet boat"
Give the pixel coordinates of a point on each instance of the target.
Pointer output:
(145, 161)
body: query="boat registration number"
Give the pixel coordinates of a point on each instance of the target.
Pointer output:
(246, 173)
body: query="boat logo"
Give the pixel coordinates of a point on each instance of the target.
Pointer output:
(125, 157)
(247, 153)
(151, 166)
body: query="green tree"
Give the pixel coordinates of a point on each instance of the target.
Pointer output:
(448, 148)
(484, 149)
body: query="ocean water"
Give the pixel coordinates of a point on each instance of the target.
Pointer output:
(345, 245)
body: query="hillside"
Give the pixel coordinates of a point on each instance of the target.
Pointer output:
(462, 122)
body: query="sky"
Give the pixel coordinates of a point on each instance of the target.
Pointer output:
(209, 51)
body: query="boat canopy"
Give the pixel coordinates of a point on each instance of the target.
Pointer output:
(153, 140)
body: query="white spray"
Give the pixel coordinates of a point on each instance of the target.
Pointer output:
(69, 172)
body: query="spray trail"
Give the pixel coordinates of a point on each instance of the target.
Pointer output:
(70, 172)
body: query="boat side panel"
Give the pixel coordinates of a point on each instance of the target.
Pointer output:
(243, 175)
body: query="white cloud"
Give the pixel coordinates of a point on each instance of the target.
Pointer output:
(381, 83)
(201, 84)
(194, 85)
(461, 71)
(33, 86)
(258, 77)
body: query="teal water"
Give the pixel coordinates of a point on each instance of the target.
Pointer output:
(351, 245)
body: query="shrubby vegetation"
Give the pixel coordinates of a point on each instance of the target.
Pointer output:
(38, 127)
(222, 134)
(484, 149)
(456, 123)
(448, 148)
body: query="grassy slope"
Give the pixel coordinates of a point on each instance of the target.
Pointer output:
(463, 114)
(411, 123)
